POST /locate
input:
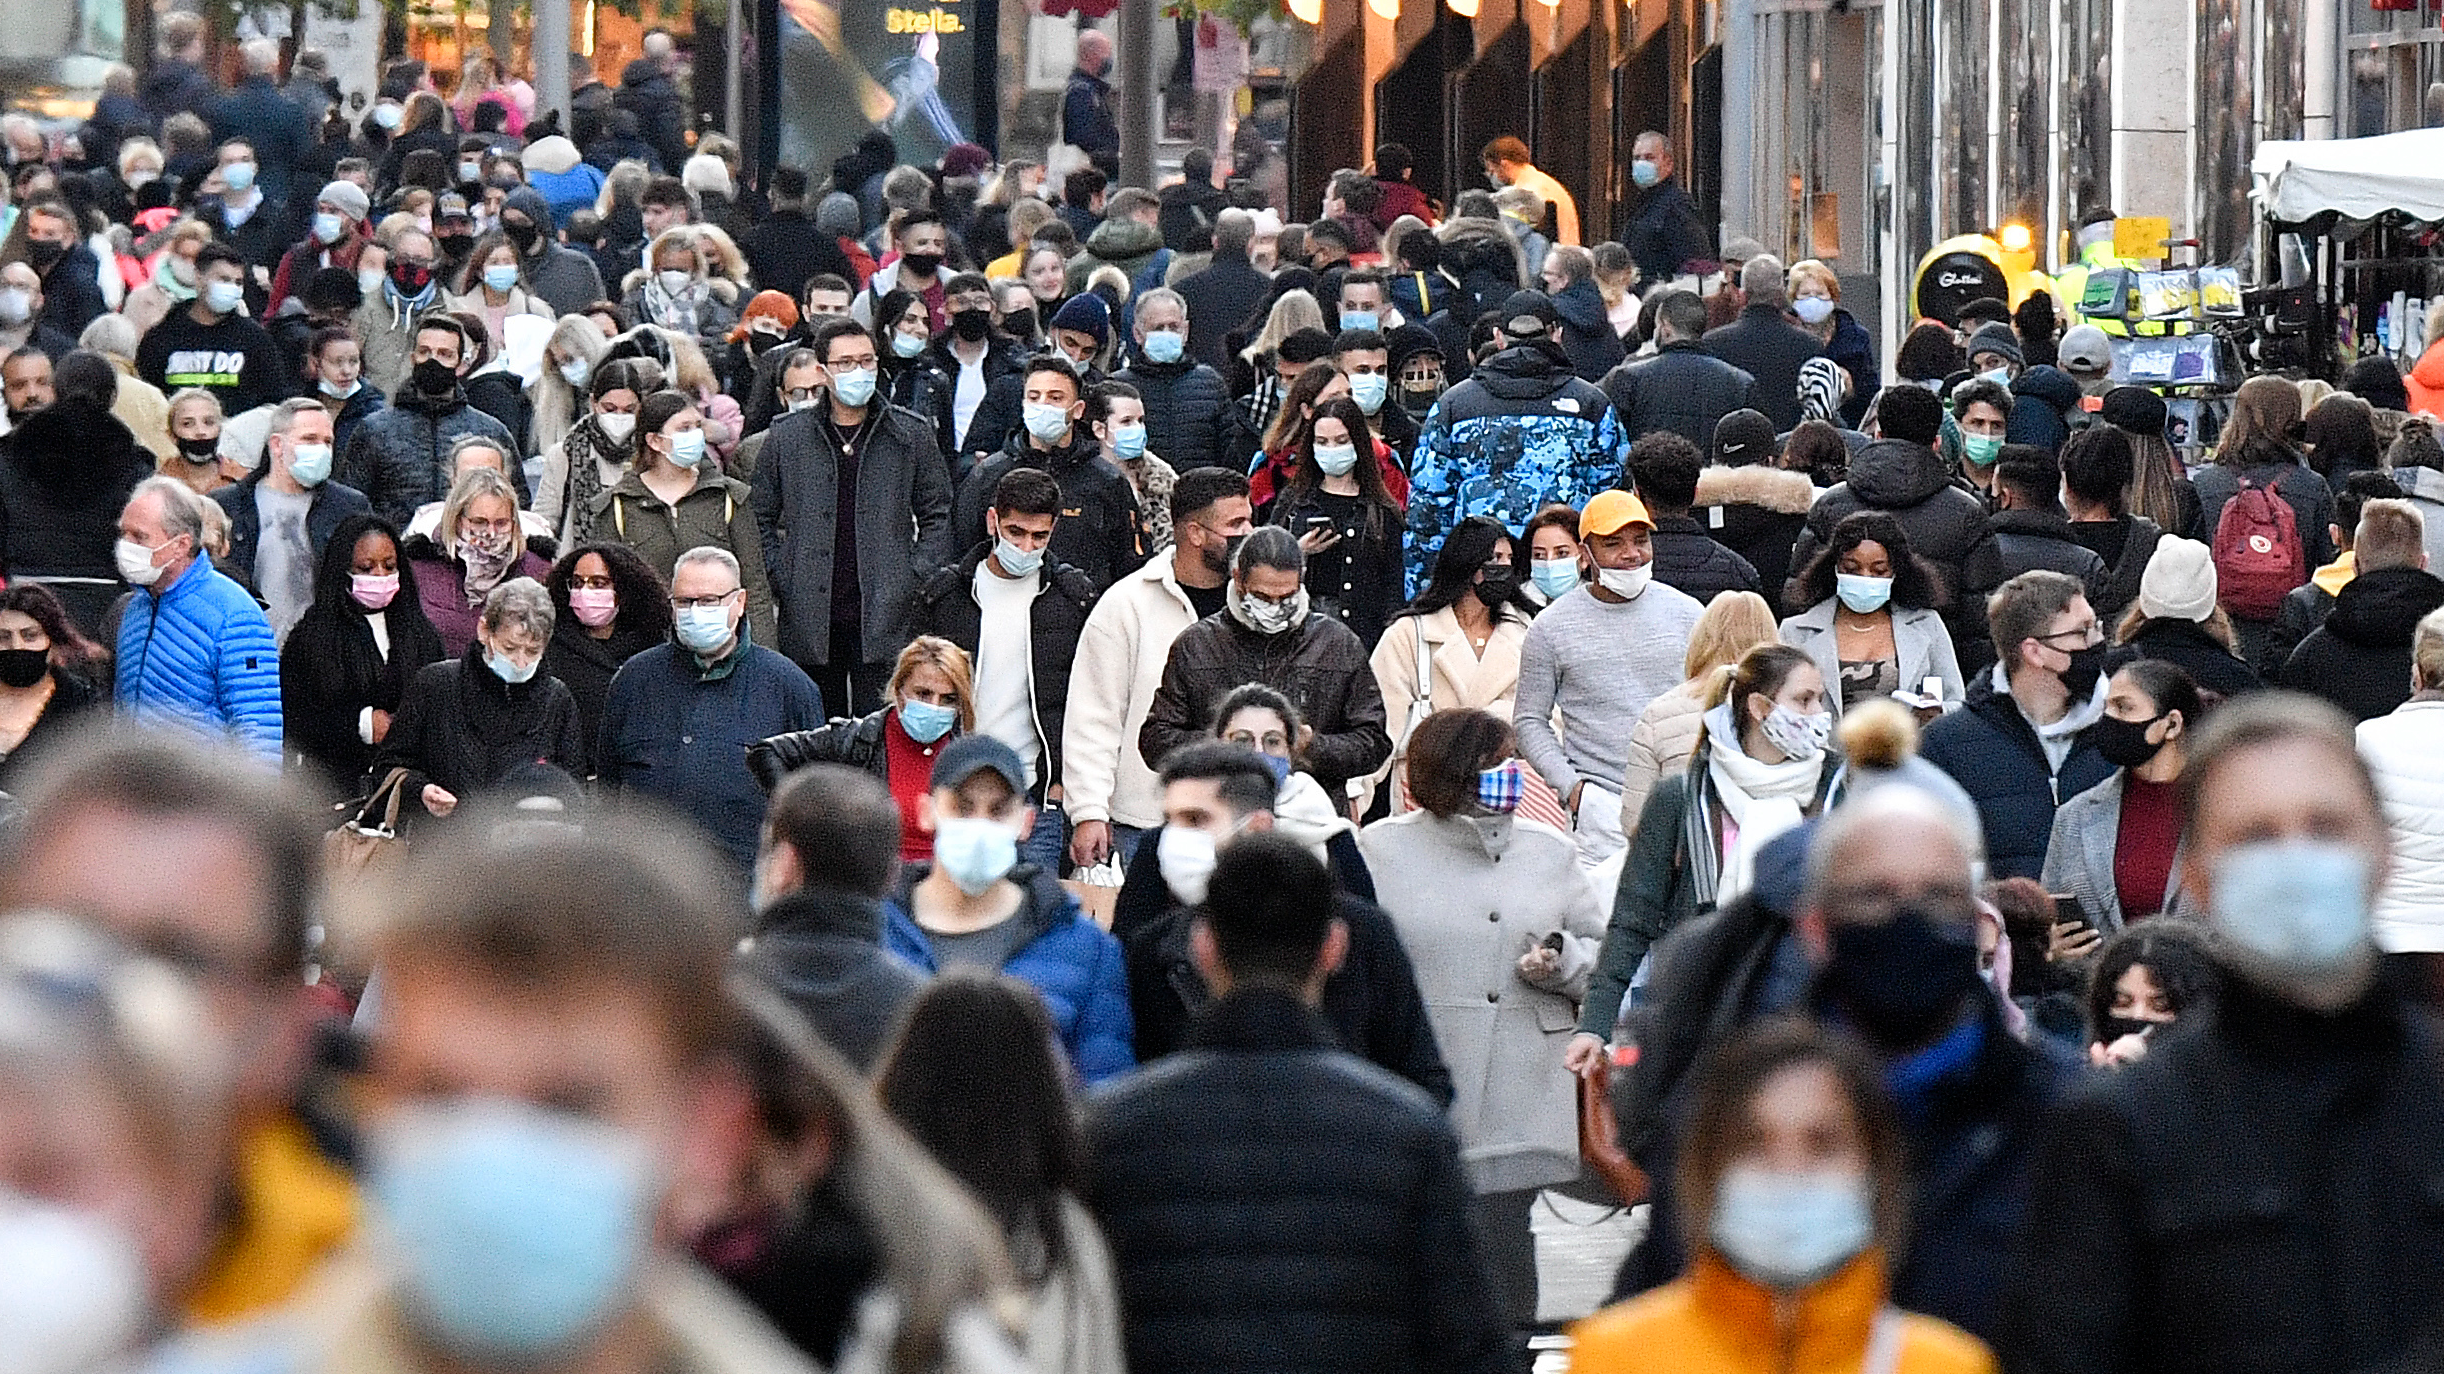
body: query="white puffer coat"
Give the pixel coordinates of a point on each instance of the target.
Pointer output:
(2405, 750)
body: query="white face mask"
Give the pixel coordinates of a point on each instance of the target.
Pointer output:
(1186, 858)
(1629, 583)
(1790, 1230)
(136, 565)
(72, 1288)
(616, 427)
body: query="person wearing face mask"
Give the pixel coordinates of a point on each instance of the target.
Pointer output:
(245, 213)
(676, 499)
(566, 279)
(2116, 847)
(912, 378)
(1466, 852)
(466, 724)
(491, 286)
(2143, 982)
(399, 457)
(193, 646)
(66, 468)
(285, 512)
(1901, 472)
(348, 660)
(976, 356)
(1796, 1171)
(1212, 794)
(2293, 1121)
(1994, 353)
(596, 449)
(48, 673)
(678, 714)
(336, 234)
(1270, 633)
(115, 1092)
(477, 543)
(1600, 655)
(1186, 401)
(1116, 416)
(386, 319)
(1364, 357)
(1871, 624)
(195, 430)
(611, 607)
(1457, 644)
(929, 701)
(1815, 296)
(2019, 747)
(71, 292)
(1761, 767)
(21, 307)
(213, 345)
(1018, 614)
(1347, 522)
(977, 905)
(1102, 533)
(680, 289)
(335, 362)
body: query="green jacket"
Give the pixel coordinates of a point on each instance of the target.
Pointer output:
(1655, 895)
(715, 512)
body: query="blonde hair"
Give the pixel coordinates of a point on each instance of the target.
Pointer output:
(2427, 650)
(2391, 534)
(932, 651)
(1810, 270)
(1031, 214)
(196, 395)
(1732, 624)
(472, 486)
(139, 147)
(625, 185)
(1296, 310)
(1878, 735)
(2314, 390)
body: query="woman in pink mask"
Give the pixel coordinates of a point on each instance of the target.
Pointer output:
(348, 659)
(611, 606)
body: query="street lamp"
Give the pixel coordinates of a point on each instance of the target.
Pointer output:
(1307, 11)
(1384, 9)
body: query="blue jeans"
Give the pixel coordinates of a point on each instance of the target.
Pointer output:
(1125, 839)
(1048, 846)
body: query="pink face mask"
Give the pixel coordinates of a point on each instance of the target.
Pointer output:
(373, 591)
(593, 606)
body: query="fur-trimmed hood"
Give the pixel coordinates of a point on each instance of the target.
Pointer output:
(1778, 490)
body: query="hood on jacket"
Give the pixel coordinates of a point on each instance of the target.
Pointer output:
(554, 155)
(1893, 474)
(1117, 240)
(2037, 524)
(824, 912)
(530, 202)
(1044, 905)
(2048, 384)
(2421, 484)
(642, 72)
(68, 445)
(2382, 609)
(1581, 307)
(2428, 371)
(1774, 489)
(1530, 371)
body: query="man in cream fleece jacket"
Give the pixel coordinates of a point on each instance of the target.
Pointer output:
(1600, 655)
(1111, 794)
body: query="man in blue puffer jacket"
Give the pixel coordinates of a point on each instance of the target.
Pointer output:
(194, 648)
(976, 905)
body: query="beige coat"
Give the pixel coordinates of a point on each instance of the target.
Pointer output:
(1457, 675)
(1074, 1321)
(1112, 681)
(1468, 896)
(1660, 745)
(143, 409)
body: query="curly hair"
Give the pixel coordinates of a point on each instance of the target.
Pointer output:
(1915, 583)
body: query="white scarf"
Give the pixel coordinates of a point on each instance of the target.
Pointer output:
(1762, 799)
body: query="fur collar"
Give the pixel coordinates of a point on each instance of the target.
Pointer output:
(1775, 489)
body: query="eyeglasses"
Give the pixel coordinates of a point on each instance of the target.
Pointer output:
(2089, 635)
(840, 365)
(697, 603)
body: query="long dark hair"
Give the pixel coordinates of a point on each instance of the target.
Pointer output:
(1915, 583)
(71, 651)
(975, 1077)
(2178, 958)
(1382, 512)
(1466, 549)
(642, 597)
(887, 313)
(333, 646)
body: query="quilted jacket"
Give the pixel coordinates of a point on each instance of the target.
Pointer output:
(200, 652)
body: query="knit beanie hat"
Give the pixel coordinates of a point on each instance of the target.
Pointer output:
(2134, 408)
(348, 196)
(2179, 583)
(1995, 338)
(1086, 313)
(837, 215)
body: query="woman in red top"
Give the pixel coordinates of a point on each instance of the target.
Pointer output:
(931, 701)
(1293, 430)
(2114, 845)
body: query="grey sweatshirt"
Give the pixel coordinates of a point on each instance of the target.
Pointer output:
(1601, 664)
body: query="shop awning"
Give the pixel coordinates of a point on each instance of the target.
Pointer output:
(2356, 178)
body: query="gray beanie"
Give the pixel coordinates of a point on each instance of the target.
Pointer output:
(837, 215)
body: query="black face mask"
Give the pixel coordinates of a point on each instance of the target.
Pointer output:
(521, 234)
(1497, 586)
(434, 377)
(2124, 742)
(1230, 550)
(410, 278)
(42, 254)
(923, 264)
(23, 667)
(455, 246)
(1902, 980)
(200, 450)
(971, 325)
(1019, 323)
(2086, 666)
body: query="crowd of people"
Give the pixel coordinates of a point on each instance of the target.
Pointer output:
(618, 766)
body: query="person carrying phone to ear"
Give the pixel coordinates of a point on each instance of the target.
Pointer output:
(2115, 846)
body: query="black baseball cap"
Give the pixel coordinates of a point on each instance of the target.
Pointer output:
(968, 755)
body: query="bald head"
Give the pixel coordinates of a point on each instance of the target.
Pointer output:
(1895, 847)
(1094, 51)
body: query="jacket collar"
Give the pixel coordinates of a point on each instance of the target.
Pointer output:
(825, 912)
(1043, 904)
(1260, 1019)
(1826, 1325)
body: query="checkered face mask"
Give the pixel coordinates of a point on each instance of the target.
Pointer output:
(1498, 787)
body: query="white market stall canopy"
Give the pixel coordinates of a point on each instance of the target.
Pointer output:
(2356, 178)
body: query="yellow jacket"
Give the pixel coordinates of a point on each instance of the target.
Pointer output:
(1714, 1321)
(291, 1207)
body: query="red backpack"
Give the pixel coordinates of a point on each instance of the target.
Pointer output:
(2257, 552)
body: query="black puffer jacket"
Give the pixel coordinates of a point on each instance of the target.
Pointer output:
(946, 606)
(1101, 532)
(1683, 389)
(1914, 484)
(1688, 558)
(1992, 752)
(65, 473)
(1186, 406)
(919, 385)
(460, 726)
(2187, 645)
(1586, 331)
(585, 665)
(1276, 1203)
(2042, 399)
(400, 457)
(2304, 609)
(2018, 541)
(1320, 666)
(2258, 1195)
(2359, 659)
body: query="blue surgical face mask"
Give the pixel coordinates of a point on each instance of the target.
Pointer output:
(854, 389)
(702, 629)
(905, 345)
(974, 852)
(2000, 376)
(1278, 766)
(1048, 423)
(1014, 560)
(575, 371)
(1789, 1230)
(1369, 389)
(310, 464)
(238, 176)
(1129, 441)
(687, 447)
(508, 670)
(1645, 172)
(1359, 319)
(924, 721)
(1863, 594)
(1164, 347)
(1336, 459)
(501, 276)
(2295, 907)
(1555, 577)
(224, 297)
(328, 227)
(1812, 309)
(519, 1230)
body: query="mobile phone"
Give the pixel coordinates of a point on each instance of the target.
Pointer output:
(2067, 909)
(1553, 942)
(1315, 520)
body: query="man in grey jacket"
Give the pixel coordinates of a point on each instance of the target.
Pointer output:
(565, 278)
(853, 500)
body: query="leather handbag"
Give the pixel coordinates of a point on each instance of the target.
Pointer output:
(1599, 1139)
(356, 849)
